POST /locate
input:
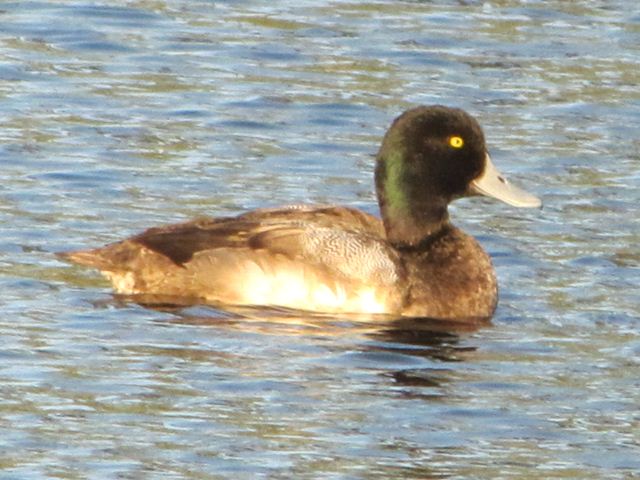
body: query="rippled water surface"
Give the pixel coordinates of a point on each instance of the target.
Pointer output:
(120, 115)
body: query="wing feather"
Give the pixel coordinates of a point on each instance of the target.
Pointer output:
(321, 234)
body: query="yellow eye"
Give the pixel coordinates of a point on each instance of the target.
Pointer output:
(456, 142)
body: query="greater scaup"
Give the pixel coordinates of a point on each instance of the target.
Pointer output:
(413, 262)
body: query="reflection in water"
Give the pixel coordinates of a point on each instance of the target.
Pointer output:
(425, 334)
(430, 339)
(416, 332)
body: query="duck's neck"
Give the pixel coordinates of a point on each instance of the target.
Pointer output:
(412, 213)
(410, 229)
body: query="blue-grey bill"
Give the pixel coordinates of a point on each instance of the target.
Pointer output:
(493, 184)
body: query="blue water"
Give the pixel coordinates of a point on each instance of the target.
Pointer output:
(118, 116)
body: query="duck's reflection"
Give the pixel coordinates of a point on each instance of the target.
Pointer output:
(426, 337)
(438, 341)
(405, 330)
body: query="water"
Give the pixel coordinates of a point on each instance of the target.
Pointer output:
(123, 115)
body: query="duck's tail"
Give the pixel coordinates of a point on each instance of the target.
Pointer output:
(113, 257)
(90, 258)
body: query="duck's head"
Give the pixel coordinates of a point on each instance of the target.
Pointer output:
(430, 156)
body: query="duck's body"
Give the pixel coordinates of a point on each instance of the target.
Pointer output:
(413, 262)
(320, 258)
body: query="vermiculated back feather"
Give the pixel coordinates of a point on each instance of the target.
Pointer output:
(288, 231)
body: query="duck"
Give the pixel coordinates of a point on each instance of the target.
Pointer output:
(409, 262)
